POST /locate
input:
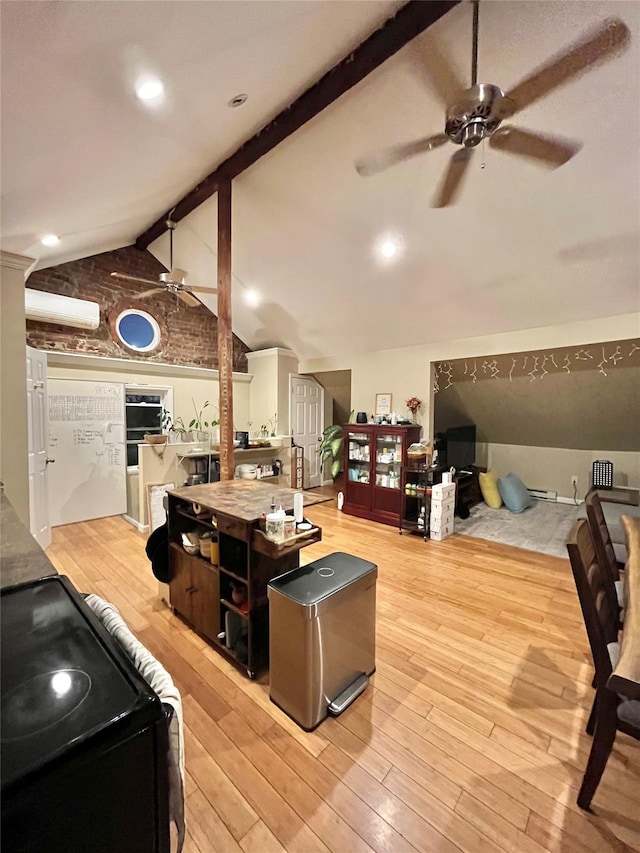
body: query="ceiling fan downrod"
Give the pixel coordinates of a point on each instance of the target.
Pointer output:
(474, 53)
(475, 130)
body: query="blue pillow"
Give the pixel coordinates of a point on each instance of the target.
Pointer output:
(514, 493)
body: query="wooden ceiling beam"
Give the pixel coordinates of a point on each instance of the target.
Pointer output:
(412, 19)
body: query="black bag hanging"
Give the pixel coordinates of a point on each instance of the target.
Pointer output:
(157, 550)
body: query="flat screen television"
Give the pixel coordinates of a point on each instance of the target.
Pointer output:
(461, 446)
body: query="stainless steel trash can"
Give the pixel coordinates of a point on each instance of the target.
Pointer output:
(322, 636)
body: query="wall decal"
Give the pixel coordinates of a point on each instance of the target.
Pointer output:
(537, 364)
(604, 361)
(583, 355)
(449, 374)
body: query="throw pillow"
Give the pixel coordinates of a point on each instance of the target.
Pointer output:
(489, 489)
(514, 493)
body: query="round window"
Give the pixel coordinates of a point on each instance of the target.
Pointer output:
(138, 330)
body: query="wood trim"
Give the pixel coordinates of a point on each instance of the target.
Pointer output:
(225, 334)
(412, 19)
(17, 262)
(80, 361)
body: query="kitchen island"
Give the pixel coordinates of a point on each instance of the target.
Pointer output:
(226, 601)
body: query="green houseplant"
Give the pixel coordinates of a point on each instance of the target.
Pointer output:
(199, 425)
(330, 448)
(178, 430)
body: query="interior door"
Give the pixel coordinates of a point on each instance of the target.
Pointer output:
(307, 423)
(87, 440)
(37, 446)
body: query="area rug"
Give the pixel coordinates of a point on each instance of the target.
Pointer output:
(543, 527)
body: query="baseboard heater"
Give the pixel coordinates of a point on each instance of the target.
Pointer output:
(543, 494)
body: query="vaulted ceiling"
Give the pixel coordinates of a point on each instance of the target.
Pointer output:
(523, 247)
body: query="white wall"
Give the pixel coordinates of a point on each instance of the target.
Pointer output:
(270, 387)
(406, 372)
(552, 467)
(14, 469)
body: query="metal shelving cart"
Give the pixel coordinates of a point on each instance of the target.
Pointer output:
(415, 500)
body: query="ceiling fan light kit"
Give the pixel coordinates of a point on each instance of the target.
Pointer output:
(477, 113)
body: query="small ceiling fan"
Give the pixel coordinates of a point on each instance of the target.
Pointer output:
(172, 281)
(477, 113)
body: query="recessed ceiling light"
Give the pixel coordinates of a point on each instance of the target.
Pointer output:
(237, 100)
(50, 240)
(389, 249)
(149, 89)
(252, 297)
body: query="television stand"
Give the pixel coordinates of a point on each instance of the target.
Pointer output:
(468, 492)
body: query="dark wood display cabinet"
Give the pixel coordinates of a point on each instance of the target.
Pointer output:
(227, 603)
(374, 459)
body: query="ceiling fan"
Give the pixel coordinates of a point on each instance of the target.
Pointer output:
(172, 281)
(477, 113)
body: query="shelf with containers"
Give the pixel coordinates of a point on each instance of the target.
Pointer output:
(374, 459)
(415, 500)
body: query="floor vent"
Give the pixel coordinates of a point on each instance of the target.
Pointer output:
(543, 494)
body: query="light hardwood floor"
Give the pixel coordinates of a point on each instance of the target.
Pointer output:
(470, 736)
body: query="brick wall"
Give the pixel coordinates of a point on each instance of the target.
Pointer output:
(189, 335)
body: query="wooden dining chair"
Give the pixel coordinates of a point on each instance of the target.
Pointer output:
(611, 712)
(603, 544)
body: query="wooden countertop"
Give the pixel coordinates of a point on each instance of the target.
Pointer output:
(625, 678)
(243, 499)
(21, 558)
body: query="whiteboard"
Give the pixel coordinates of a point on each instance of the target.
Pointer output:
(155, 504)
(87, 440)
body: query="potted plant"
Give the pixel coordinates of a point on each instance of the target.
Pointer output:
(330, 448)
(166, 423)
(178, 431)
(199, 425)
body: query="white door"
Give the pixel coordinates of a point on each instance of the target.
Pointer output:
(307, 423)
(87, 440)
(37, 444)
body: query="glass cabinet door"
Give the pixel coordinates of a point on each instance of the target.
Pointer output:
(358, 457)
(388, 461)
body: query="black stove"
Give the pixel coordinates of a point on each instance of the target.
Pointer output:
(83, 737)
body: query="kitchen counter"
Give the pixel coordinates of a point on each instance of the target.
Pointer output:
(242, 499)
(21, 558)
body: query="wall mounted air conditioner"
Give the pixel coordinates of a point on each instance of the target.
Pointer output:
(63, 310)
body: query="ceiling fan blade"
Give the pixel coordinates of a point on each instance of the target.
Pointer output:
(145, 293)
(610, 36)
(197, 289)
(125, 277)
(188, 299)
(548, 150)
(436, 72)
(397, 153)
(451, 184)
